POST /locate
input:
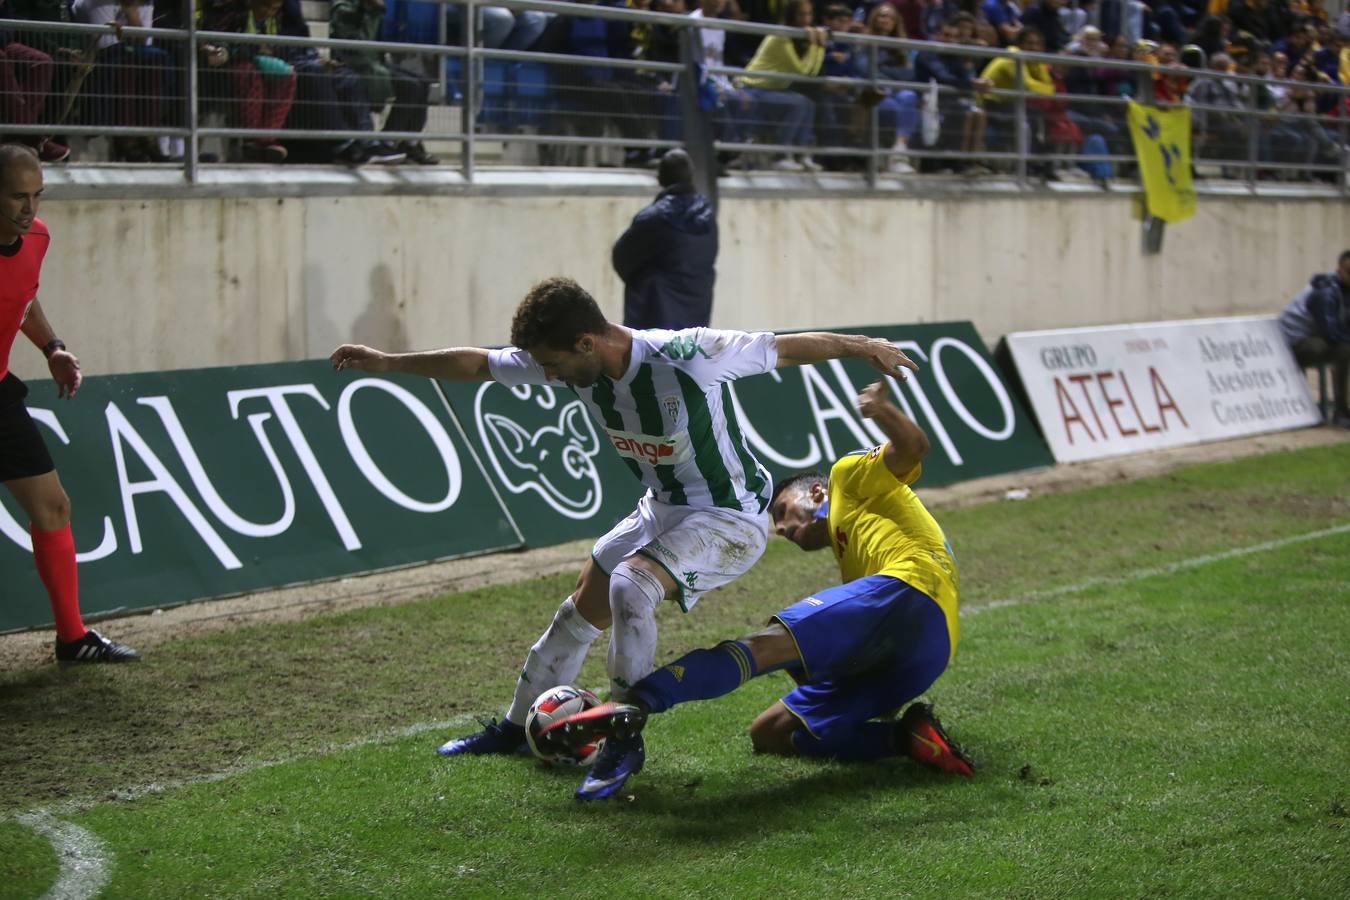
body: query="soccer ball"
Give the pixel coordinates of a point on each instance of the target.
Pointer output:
(559, 703)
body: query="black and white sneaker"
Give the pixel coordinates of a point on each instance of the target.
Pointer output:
(94, 647)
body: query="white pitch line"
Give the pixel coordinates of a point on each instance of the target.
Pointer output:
(81, 855)
(86, 862)
(1182, 565)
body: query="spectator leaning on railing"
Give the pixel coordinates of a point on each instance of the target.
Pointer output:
(361, 20)
(777, 103)
(1316, 325)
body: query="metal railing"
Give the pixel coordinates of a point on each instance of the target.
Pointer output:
(129, 85)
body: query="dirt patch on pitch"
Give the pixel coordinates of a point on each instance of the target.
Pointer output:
(143, 631)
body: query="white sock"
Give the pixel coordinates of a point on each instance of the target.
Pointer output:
(555, 659)
(633, 595)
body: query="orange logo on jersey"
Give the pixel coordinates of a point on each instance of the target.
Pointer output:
(841, 538)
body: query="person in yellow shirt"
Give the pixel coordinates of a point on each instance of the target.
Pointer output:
(859, 651)
(1001, 73)
(779, 102)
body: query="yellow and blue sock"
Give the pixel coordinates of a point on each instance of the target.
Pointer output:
(699, 675)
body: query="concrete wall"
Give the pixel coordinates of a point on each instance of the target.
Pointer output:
(136, 285)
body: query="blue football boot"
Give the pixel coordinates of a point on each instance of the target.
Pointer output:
(621, 759)
(496, 737)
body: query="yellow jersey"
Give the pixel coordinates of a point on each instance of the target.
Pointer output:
(878, 526)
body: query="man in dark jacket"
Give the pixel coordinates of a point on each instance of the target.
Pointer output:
(1317, 326)
(667, 256)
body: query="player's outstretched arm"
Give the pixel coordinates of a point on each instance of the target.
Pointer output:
(818, 346)
(908, 444)
(452, 364)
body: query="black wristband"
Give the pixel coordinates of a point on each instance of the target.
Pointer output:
(52, 346)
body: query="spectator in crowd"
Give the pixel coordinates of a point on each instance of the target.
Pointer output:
(1130, 18)
(600, 96)
(1265, 19)
(72, 61)
(1277, 140)
(25, 83)
(1001, 73)
(1005, 16)
(261, 83)
(1044, 17)
(837, 109)
(329, 96)
(1324, 147)
(1217, 134)
(408, 91)
(667, 257)
(777, 102)
(1073, 18)
(1104, 119)
(1169, 22)
(1316, 324)
(730, 103)
(958, 104)
(1169, 82)
(935, 13)
(897, 108)
(912, 14)
(131, 77)
(1297, 42)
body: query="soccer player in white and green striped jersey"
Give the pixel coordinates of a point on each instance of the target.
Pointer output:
(661, 398)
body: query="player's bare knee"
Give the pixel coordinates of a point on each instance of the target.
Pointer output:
(772, 647)
(771, 732)
(591, 596)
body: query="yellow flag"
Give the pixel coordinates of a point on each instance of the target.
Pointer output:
(1162, 144)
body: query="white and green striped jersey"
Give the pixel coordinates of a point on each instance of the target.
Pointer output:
(670, 414)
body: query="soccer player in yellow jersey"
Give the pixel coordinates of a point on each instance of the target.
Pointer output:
(859, 651)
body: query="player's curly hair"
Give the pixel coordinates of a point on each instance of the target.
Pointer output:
(800, 480)
(555, 314)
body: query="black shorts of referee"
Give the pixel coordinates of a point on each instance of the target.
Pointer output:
(23, 453)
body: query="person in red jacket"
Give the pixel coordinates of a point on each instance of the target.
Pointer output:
(26, 468)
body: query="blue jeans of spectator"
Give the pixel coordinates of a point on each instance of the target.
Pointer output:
(898, 115)
(789, 114)
(507, 30)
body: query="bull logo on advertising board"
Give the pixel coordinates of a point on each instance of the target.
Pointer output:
(555, 460)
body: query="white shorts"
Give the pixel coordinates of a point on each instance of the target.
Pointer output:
(700, 548)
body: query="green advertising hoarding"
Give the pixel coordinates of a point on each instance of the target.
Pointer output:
(209, 482)
(805, 417)
(204, 483)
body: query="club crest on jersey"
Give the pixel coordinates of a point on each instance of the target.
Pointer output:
(671, 404)
(652, 449)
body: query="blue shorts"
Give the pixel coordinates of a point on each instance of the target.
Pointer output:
(868, 647)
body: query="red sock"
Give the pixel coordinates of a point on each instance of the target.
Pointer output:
(54, 553)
